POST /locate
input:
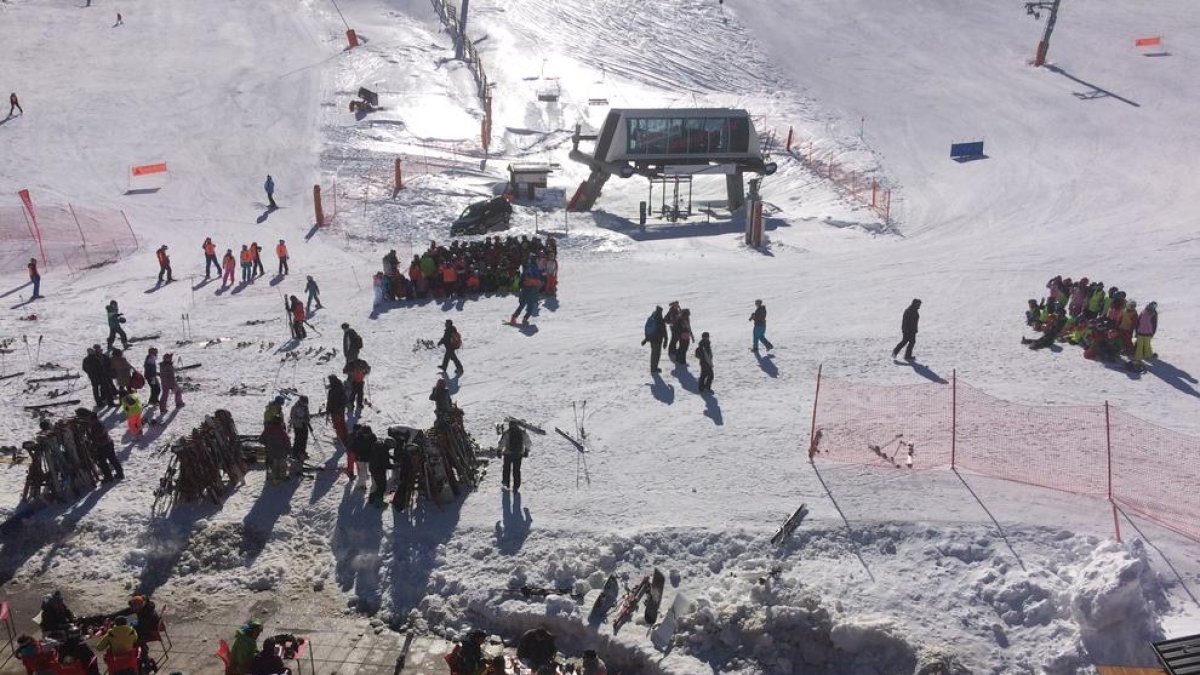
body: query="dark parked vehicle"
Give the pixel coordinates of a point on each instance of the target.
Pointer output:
(483, 217)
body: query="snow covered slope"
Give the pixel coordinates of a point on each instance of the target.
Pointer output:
(890, 573)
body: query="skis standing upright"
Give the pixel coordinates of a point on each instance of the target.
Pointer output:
(630, 602)
(790, 524)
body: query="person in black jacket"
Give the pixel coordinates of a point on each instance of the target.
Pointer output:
(104, 452)
(705, 357)
(537, 647)
(93, 367)
(908, 330)
(268, 661)
(335, 405)
(56, 616)
(351, 343)
(362, 446)
(150, 372)
(106, 376)
(656, 335)
(442, 404)
(672, 319)
(380, 462)
(451, 341)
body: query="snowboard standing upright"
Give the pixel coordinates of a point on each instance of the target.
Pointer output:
(654, 597)
(604, 601)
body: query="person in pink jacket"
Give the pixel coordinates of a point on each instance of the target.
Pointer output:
(1147, 326)
(230, 264)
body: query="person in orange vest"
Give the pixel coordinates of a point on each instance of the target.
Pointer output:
(256, 258)
(282, 254)
(14, 104)
(210, 256)
(35, 279)
(247, 263)
(449, 278)
(229, 263)
(164, 264)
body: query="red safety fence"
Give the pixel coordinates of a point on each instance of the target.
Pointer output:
(73, 237)
(862, 186)
(1091, 450)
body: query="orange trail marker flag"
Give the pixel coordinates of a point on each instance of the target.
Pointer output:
(1148, 41)
(147, 169)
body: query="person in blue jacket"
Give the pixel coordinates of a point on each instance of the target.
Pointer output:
(269, 186)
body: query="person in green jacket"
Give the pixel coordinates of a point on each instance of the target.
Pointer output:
(245, 647)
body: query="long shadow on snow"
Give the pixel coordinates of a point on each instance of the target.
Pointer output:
(767, 363)
(712, 408)
(416, 536)
(272, 503)
(17, 549)
(1096, 91)
(164, 542)
(1176, 377)
(668, 230)
(661, 390)
(514, 528)
(922, 370)
(355, 545)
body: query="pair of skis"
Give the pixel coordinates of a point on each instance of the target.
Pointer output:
(882, 450)
(580, 413)
(650, 588)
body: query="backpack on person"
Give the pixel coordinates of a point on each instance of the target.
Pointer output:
(137, 380)
(456, 340)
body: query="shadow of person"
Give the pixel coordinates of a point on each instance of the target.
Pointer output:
(1176, 377)
(262, 217)
(275, 280)
(767, 363)
(528, 329)
(206, 281)
(355, 545)
(259, 522)
(14, 290)
(686, 380)
(513, 530)
(661, 390)
(551, 303)
(712, 409)
(924, 371)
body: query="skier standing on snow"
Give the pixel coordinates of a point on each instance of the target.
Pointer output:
(335, 405)
(229, 263)
(314, 295)
(166, 371)
(362, 444)
(210, 256)
(164, 264)
(281, 252)
(275, 437)
(301, 422)
(759, 317)
(704, 355)
(296, 309)
(351, 343)
(1147, 326)
(514, 447)
(269, 188)
(115, 319)
(14, 104)
(150, 371)
(247, 263)
(908, 330)
(256, 259)
(685, 336)
(94, 370)
(356, 373)
(656, 335)
(106, 376)
(672, 319)
(452, 341)
(35, 278)
(122, 371)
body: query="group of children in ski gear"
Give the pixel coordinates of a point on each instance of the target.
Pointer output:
(122, 638)
(493, 265)
(250, 259)
(1104, 321)
(115, 382)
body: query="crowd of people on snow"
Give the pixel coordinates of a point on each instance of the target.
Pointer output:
(470, 268)
(1102, 320)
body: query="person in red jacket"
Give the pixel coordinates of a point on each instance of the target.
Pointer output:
(210, 256)
(281, 252)
(38, 658)
(164, 264)
(14, 104)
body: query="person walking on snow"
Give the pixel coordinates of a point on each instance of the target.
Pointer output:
(115, 319)
(256, 253)
(229, 263)
(356, 373)
(656, 335)
(314, 295)
(166, 372)
(672, 319)
(296, 309)
(514, 447)
(34, 278)
(210, 257)
(281, 252)
(269, 187)
(351, 343)
(704, 355)
(908, 330)
(247, 263)
(531, 286)
(759, 317)
(94, 370)
(150, 371)
(14, 104)
(164, 264)
(452, 341)
(335, 405)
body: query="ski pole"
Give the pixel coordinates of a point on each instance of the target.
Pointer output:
(39, 349)
(28, 355)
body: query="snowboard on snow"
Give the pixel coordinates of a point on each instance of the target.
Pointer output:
(789, 526)
(605, 601)
(654, 596)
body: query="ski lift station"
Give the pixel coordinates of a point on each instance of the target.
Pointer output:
(670, 144)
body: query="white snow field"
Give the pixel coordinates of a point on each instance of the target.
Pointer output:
(1090, 172)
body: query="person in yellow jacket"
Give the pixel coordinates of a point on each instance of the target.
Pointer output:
(132, 407)
(120, 639)
(281, 252)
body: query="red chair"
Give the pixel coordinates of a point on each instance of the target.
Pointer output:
(123, 663)
(223, 654)
(43, 662)
(73, 668)
(300, 649)
(6, 619)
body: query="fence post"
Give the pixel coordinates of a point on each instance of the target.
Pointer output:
(953, 415)
(317, 206)
(874, 191)
(812, 429)
(136, 245)
(789, 140)
(399, 182)
(1108, 451)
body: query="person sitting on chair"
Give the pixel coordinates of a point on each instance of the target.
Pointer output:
(268, 661)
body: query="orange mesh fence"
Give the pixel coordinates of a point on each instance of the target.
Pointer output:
(858, 185)
(1155, 473)
(1089, 450)
(74, 237)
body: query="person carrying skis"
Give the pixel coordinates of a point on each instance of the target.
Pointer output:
(14, 104)
(351, 343)
(34, 278)
(281, 252)
(256, 260)
(656, 335)
(247, 263)
(684, 322)
(150, 371)
(1147, 326)
(115, 319)
(166, 372)
(104, 452)
(301, 422)
(452, 341)
(514, 447)
(295, 308)
(269, 188)
(164, 264)
(132, 407)
(210, 256)
(229, 264)
(759, 317)
(335, 405)
(356, 373)
(122, 372)
(274, 436)
(531, 286)
(672, 319)
(704, 355)
(908, 330)
(314, 295)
